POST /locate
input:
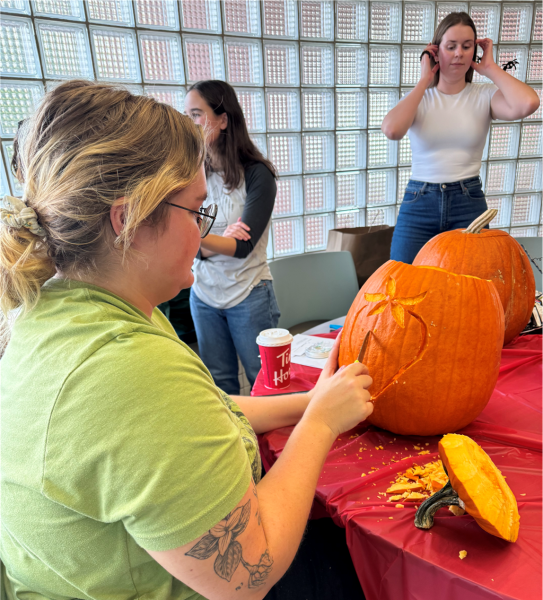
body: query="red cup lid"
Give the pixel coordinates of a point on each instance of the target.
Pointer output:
(274, 337)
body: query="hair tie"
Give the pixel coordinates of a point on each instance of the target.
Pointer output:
(426, 52)
(15, 213)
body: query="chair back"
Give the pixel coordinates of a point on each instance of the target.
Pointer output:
(534, 248)
(314, 286)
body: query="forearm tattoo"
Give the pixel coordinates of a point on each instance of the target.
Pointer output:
(222, 538)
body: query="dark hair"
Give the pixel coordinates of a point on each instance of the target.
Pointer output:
(452, 19)
(234, 148)
(14, 164)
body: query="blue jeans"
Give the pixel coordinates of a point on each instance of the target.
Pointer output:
(431, 208)
(224, 334)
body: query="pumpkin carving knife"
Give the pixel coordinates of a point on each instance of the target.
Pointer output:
(363, 348)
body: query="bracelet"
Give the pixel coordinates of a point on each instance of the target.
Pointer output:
(426, 52)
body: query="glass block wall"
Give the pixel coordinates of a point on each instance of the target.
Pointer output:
(314, 77)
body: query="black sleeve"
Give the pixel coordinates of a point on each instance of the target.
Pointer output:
(261, 189)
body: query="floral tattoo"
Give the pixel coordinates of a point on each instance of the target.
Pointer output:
(222, 538)
(259, 573)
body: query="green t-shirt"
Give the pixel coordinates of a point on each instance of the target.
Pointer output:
(114, 439)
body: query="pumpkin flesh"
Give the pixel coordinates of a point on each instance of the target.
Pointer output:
(435, 348)
(481, 486)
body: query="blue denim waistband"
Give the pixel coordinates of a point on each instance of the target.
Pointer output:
(448, 185)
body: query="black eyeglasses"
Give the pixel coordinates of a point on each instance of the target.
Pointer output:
(206, 217)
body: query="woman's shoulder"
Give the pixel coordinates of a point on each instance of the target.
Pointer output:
(258, 176)
(481, 88)
(74, 322)
(479, 95)
(257, 168)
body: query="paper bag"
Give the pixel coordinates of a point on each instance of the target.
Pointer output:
(369, 247)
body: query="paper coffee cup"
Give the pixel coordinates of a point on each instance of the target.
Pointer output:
(275, 345)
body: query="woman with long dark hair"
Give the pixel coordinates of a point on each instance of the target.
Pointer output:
(232, 299)
(448, 117)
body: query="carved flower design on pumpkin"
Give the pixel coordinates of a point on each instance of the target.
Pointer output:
(396, 304)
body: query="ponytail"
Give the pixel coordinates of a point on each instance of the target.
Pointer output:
(24, 268)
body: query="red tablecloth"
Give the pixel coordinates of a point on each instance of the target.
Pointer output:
(395, 560)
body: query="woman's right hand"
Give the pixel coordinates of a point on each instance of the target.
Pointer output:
(427, 72)
(238, 231)
(340, 399)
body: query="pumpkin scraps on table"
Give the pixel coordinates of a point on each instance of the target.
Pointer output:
(418, 483)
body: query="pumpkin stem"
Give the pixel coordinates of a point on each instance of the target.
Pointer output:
(481, 221)
(424, 517)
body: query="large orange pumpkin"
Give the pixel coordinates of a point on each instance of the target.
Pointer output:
(489, 254)
(434, 352)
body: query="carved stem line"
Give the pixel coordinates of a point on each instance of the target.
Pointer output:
(422, 349)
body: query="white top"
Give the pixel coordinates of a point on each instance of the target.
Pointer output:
(224, 281)
(449, 132)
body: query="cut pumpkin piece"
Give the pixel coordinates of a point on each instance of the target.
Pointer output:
(399, 488)
(395, 498)
(476, 485)
(438, 482)
(415, 497)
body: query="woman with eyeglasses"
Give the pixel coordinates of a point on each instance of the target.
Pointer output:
(126, 472)
(232, 299)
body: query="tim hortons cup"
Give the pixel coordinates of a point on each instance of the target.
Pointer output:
(274, 345)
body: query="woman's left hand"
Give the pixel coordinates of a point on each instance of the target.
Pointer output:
(487, 60)
(238, 230)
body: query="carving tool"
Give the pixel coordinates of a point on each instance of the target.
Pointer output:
(363, 348)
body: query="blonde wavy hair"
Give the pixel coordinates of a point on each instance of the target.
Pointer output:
(87, 146)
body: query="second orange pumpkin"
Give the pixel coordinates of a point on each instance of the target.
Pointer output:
(490, 254)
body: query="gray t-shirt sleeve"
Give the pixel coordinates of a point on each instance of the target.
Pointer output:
(261, 189)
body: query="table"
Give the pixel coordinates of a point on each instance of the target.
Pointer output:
(393, 559)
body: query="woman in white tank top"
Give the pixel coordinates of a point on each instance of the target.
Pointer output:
(447, 118)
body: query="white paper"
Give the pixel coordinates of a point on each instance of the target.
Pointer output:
(316, 363)
(300, 344)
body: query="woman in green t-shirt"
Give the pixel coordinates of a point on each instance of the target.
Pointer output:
(125, 471)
